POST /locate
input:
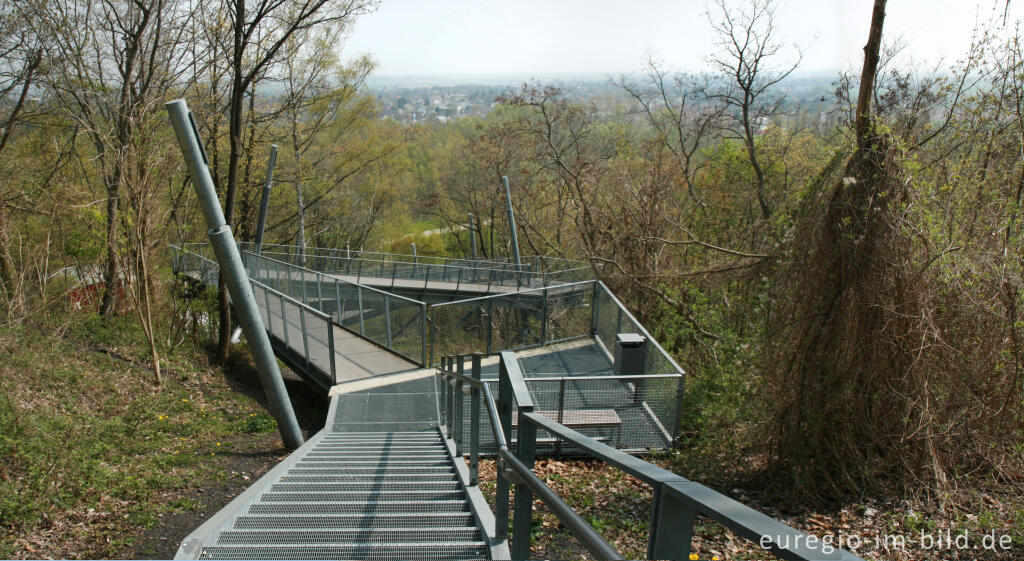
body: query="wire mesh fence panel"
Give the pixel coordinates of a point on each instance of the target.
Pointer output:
(517, 320)
(569, 312)
(375, 320)
(406, 328)
(348, 309)
(458, 328)
(318, 332)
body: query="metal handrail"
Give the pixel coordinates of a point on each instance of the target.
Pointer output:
(512, 467)
(677, 501)
(305, 308)
(363, 286)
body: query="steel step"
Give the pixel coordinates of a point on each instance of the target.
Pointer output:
(364, 507)
(383, 470)
(419, 519)
(366, 477)
(370, 462)
(379, 458)
(364, 496)
(371, 486)
(376, 551)
(386, 534)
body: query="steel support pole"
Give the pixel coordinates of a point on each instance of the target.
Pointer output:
(261, 222)
(512, 226)
(234, 275)
(472, 234)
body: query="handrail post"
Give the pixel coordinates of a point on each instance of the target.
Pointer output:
(460, 368)
(387, 319)
(425, 323)
(450, 398)
(526, 451)
(330, 350)
(561, 414)
(501, 491)
(337, 300)
(442, 394)
(284, 321)
(595, 316)
(490, 322)
(544, 319)
(362, 325)
(671, 526)
(305, 336)
(474, 424)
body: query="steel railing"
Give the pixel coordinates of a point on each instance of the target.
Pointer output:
(634, 413)
(307, 334)
(389, 320)
(539, 317)
(676, 501)
(513, 468)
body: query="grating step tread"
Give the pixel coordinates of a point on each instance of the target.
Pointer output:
(347, 536)
(362, 507)
(367, 477)
(377, 551)
(386, 471)
(418, 519)
(365, 486)
(359, 495)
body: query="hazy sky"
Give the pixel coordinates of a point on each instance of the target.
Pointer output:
(416, 37)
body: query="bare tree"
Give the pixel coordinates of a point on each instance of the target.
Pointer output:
(257, 31)
(747, 47)
(682, 112)
(20, 57)
(108, 62)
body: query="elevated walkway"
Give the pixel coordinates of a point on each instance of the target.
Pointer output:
(386, 477)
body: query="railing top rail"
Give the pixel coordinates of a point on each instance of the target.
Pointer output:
(540, 377)
(510, 366)
(277, 293)
(640, 326)
(363, 286)
(289, 299)
(509, 269)
(787, 542)
(515, 293)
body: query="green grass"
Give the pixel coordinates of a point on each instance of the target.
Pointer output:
(92, 451)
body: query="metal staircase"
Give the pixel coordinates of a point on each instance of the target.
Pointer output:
(353, 495)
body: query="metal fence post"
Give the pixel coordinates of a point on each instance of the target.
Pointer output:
(359, 295)
(337, 300)
(561, 413)
(680, 394)
(425, 311)
(319, 292)
(671, 526)
(460, 367)
(284, 320)
(501, 491)
(444, 394)
(526, 450)
(305, 336)
(490, 322)
(330, 349)
(595, 317)
(387, 319)
(544, 319)
(474, 424)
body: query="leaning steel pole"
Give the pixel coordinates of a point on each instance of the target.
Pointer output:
(261, 222)
(512, 224)
(234, 273)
